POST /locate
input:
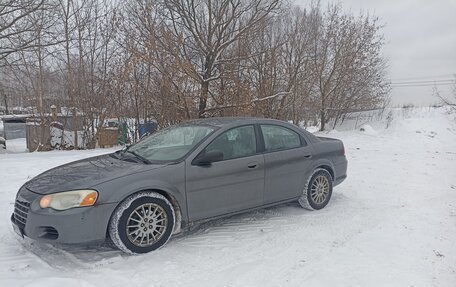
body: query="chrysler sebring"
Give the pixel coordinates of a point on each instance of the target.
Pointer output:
(140, 196)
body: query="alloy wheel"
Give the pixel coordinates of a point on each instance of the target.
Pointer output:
(146, 224)
(320, 189)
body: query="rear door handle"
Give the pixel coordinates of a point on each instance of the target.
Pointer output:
(252, 165)
(308, 156)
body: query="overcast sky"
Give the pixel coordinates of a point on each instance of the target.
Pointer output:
(420, 43)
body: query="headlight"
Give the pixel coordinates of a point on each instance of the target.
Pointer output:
(69, 199)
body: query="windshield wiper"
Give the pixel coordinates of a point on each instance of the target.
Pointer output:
(145, 160)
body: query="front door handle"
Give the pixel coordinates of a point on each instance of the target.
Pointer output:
(252, 165)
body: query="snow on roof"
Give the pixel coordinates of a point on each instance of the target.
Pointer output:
(7, 117)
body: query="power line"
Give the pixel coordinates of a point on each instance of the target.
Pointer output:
(424, 77)
(423, 85)
(423, 82)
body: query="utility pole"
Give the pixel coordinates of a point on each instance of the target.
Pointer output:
(6, 103)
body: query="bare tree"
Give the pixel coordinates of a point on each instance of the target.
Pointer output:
(18, 26)
(175, 60)
(208, 28)
(282, 64)
(349, 69)
(445, 101)
(30, 67)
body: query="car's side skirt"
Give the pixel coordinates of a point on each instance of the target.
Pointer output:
(194, 224)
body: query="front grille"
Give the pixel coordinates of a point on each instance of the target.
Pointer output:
(21, 209)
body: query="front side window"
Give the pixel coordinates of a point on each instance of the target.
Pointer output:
(172, 143)
(235, 143)
(279, 138)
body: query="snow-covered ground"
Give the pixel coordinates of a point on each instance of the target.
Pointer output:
(391, 223)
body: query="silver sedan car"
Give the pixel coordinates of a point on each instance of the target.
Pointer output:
(192, 172)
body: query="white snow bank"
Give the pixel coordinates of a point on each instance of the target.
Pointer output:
(311, 129)
(382, 119)
(16, 145)
(367, 129)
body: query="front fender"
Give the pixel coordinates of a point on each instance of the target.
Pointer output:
(169, 179)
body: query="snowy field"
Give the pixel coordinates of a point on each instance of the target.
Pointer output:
(391, 223)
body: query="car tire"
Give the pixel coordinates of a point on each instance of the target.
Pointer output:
(318, 190)
(141, 223)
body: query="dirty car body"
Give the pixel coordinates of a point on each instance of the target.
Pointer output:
(234, 165)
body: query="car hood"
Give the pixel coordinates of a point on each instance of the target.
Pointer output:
(84, 174)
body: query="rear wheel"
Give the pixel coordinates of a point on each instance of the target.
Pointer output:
(142, 223)
(317, 191)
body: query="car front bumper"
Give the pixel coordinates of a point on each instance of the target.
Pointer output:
(72, 226)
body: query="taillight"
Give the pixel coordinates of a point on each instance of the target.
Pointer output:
(343, 150)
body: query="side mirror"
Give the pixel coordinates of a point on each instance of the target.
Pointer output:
(207, 158)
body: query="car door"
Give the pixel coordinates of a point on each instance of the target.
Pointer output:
(287, 159)
(232, 184)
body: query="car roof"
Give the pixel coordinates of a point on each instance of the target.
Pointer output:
(230, 121)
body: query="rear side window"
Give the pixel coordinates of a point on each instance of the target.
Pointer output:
(279, 138)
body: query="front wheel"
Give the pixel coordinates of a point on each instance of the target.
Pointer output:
(142, 223)
(317, 191)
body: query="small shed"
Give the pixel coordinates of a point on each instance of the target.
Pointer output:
(107, 137)
(36, 134)
(14, 126)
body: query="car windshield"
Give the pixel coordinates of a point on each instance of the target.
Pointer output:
(170, 144)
